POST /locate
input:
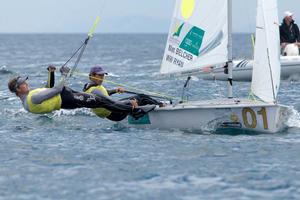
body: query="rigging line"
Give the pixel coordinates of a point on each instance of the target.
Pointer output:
(199, 71)
(90, 35)
(103, 2)
(252, 97)
(79, 57)
(131, 87)
(83, 47)
(73, 55)
(211, 73)
(217, 86)
(159, 97)
(84, 44)
(253, 42)
(271, 75)
(141, 90)
(185, 90)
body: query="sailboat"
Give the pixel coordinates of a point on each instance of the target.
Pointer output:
(242, 70)
(199, 37)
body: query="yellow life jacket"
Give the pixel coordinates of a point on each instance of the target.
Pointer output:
(100, 112)
(46, 106)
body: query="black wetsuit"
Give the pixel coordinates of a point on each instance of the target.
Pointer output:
(116, 115)
(72, 99)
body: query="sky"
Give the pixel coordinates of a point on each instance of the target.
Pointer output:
(117, 16)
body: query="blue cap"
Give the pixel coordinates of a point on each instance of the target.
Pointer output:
(21, 80)
(97, 70)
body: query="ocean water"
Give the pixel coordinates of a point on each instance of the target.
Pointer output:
(75, 155)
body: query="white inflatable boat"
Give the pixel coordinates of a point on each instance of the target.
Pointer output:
(242, 70)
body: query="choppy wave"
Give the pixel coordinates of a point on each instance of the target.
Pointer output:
(157, 182)
(294, 119)
(4, 70)
(10, 112)
(75, 112)
(78, 153)
(124, 62)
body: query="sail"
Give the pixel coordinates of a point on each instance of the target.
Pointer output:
(266, 67)
(198, 36)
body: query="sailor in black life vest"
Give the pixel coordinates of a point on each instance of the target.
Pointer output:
(289, 32)
(51, 98)
(97, 76)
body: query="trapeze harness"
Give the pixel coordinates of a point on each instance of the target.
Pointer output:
(100, 90)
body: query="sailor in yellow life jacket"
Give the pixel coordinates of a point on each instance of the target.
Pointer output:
(51, 98)
(96, 76)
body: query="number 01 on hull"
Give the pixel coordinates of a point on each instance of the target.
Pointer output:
(212, 115)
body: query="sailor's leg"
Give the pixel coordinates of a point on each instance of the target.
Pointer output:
(68, 100)
(117, 116)
(143, 99)
(72, 99)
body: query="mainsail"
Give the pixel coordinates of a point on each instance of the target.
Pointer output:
(198, 36)
(266, 67)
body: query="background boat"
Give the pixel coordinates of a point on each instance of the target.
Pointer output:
(242, 70)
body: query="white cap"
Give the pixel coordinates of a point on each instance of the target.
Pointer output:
(288, 14)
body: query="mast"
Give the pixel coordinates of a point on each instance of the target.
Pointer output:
(229, 63)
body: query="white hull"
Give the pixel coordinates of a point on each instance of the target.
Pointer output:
(212, 115)
(195, 43)
(242, 70)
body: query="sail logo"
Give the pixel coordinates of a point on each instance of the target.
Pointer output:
(192, 42)
(178, 30)
(187, 8)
